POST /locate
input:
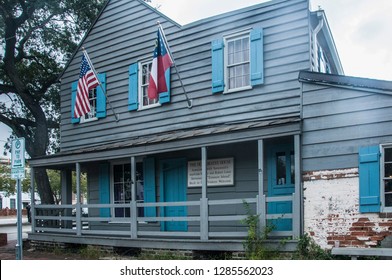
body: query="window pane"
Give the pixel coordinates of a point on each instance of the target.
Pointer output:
(388, 200)
(230, 52)
(388, 170)
(388, 186)
(118, 193)
(117, 173)
(127, 172)
(388, 154)
(280, 168)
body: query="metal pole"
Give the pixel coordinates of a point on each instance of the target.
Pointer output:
(19, 244)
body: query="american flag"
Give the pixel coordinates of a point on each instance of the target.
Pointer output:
(160, 63)
(87, 81)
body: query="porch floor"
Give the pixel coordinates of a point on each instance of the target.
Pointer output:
(232, 245)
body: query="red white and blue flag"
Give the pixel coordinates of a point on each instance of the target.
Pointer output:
(162, 60)
(87, 81)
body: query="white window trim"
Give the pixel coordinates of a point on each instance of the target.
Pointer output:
(93, 119)
(112, 164)
(227, 38)
(142, 107)
(383, 208)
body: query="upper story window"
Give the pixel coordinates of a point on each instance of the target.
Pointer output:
(97, 100)
(237, 61)
(92, 115)
(144, 101)
(139, 76)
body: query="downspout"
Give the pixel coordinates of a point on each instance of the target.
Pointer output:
(315, 33)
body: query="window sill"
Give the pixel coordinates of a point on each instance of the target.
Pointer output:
(237, 89)
(149, 107)
(88, 120)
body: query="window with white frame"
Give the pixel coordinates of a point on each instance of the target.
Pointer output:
(386, 177)
(122, 188)
(92, 115)
(237, 60)
(144, 100)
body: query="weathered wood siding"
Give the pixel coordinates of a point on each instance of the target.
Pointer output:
(125, 33)
(337, 121)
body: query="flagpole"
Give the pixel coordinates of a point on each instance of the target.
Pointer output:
(189, 101)
(99, 82)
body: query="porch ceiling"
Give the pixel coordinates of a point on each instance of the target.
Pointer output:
(174, 140)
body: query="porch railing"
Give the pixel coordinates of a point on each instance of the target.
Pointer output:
(68, 219)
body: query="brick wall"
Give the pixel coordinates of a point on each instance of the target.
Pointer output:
(331, 211)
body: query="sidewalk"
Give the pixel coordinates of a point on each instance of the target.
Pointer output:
(11, 220)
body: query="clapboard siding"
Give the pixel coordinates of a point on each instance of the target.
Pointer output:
(125, 34)
(337, 121)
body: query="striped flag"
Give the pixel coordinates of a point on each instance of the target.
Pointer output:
(162, 60)
(87, 81)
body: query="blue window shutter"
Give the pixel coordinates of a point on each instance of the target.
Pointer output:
(149, 186)
(164, 97)
(101, 97)
(256, 57)
(133, 87)
(104, 188)
(73, 99)
(218, 80)
(369, 179)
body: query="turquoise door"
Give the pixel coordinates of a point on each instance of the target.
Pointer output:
(173, 188)
(281, 180)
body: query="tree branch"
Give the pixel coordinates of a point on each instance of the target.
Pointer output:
(7, 89)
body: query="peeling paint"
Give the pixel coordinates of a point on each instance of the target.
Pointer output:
(331, 212)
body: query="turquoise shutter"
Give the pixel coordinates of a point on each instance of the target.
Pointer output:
(133, 87)
(73, 100)
(218, 82)
(149, 186)
(101, 97)
(256, 57)
(104, 188)
(369, 179)
(164, 97)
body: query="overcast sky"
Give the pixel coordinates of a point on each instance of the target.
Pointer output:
(361, 30)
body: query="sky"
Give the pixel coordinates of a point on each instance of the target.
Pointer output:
(361, 30)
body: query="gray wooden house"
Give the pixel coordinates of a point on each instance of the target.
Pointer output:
(168, 176)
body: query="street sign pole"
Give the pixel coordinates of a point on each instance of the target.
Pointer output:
(18, 173)
(19, 244)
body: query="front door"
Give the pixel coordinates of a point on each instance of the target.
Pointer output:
(173, 188)
(281, 181)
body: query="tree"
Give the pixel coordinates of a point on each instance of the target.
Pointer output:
(37, 38)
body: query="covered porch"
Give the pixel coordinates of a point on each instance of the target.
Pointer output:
(257, 172)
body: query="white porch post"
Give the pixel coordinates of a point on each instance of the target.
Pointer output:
(261, 204)
(78, 209)
(133, 199)
(204, 199)
(297, 190)
(32, 203)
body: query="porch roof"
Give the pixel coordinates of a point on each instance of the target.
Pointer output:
(174, 140)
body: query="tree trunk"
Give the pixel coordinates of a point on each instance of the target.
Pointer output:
(43, 186)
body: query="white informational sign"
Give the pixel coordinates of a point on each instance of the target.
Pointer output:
(18, 158)
(220, 172)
